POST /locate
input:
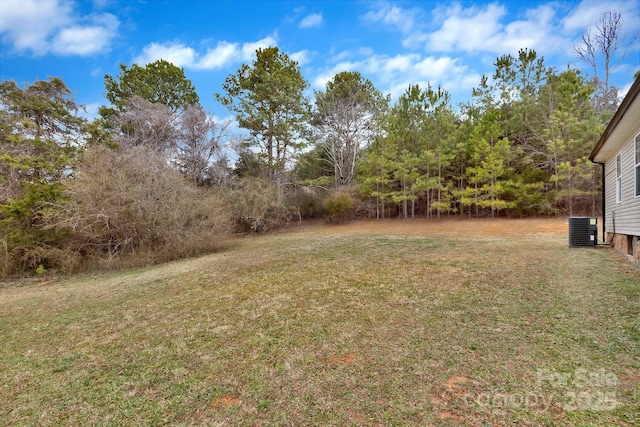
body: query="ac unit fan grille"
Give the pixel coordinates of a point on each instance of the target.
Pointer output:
(582, 232)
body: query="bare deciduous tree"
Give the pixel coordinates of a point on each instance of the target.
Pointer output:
(603, 49)
(199, 145)
(147, 124)
(345, 121)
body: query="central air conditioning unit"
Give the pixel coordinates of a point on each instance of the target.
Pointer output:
(583, 231)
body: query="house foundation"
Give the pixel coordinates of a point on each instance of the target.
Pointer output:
(626, 244)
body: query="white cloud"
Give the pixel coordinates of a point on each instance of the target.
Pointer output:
(434, 68)
(365, 51)
(28, 24)
(311, 21)
(402, 19)
(218, 57)
(586, 16)
(588, 12)
(324, 77)
(485, 28)
(394, 74)
(467, 29)
(43, 26)
(223, 54)
(176, 53)
(416, 38)
(249, 49)
(539, 31)
(301, 57)
(445, 71)
(86, 40)
(400, 63)
(482, 29)
(622, 92)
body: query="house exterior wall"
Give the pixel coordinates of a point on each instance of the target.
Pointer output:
(626, 213)
(622, 217)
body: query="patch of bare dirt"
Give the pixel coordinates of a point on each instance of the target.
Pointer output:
(344, 360)
(454, 383)
(452, 393)
(446, 415)
(226, 401)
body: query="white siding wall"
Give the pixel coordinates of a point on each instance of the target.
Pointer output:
(627, 212)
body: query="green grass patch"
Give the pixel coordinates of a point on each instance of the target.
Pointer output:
(333, 327)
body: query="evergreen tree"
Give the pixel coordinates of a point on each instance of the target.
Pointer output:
(572, 132)
(268, 100)
(40, 135)
(159, 82)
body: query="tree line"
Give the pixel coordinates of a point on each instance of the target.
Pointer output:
(149, 179)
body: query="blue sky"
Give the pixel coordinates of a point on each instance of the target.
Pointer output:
(393, 43)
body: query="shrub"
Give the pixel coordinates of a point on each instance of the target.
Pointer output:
(340, 207)
(307, 200)
(255, 206)
(130, 208)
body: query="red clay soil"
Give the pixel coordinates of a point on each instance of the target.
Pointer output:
(344, 360)
(225, 401)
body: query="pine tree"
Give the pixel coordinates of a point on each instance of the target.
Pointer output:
(40, 135)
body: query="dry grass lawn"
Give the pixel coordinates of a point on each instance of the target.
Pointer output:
(451, 322)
